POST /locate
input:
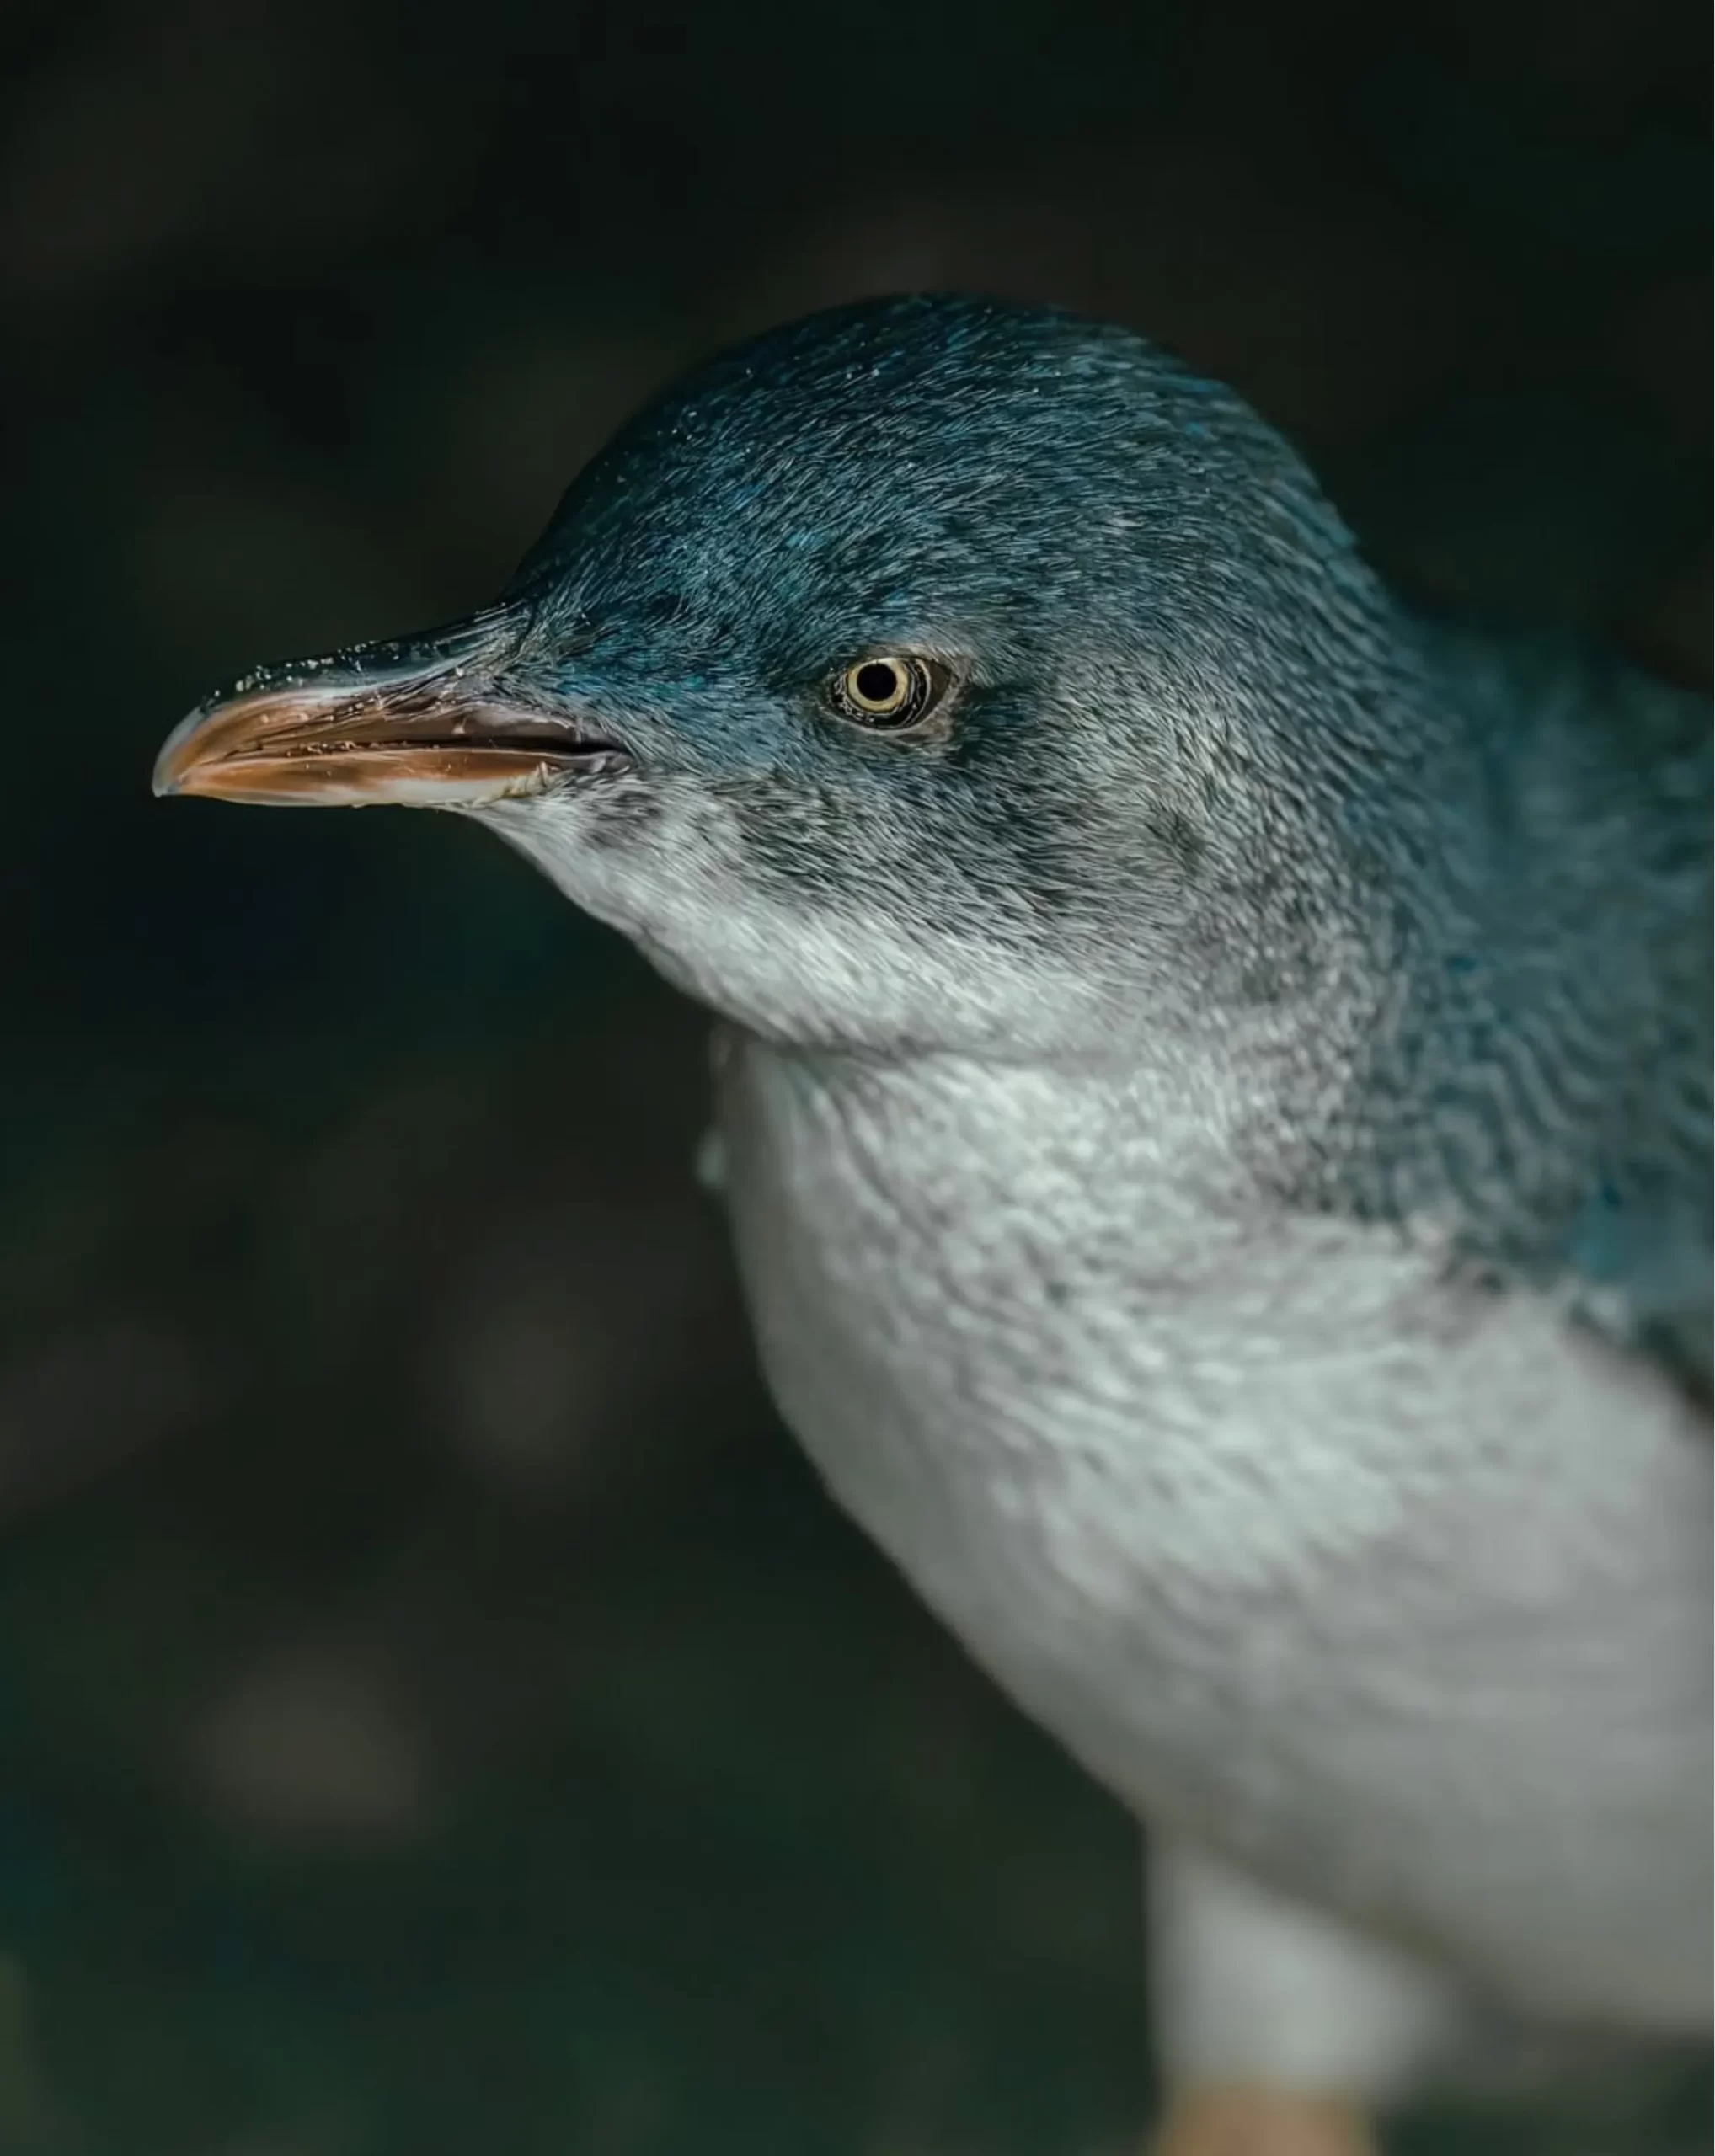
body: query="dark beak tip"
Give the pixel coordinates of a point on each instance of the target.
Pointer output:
(166, 776)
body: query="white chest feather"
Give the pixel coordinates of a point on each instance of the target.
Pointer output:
(1398, 1592)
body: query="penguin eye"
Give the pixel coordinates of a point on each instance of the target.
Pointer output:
(888, 691)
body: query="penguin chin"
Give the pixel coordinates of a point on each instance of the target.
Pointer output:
(662, 861)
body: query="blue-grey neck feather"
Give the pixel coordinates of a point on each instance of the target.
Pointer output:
(1545, 1078)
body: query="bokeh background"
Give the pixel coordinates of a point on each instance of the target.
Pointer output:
(438, 1711)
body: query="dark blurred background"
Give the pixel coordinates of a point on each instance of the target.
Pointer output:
(438, 1711)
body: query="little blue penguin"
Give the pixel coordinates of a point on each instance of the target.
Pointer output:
(1212, 1098)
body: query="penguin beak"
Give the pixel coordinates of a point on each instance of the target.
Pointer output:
(433, 722)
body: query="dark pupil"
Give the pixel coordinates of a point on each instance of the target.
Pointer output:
(877, 683)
